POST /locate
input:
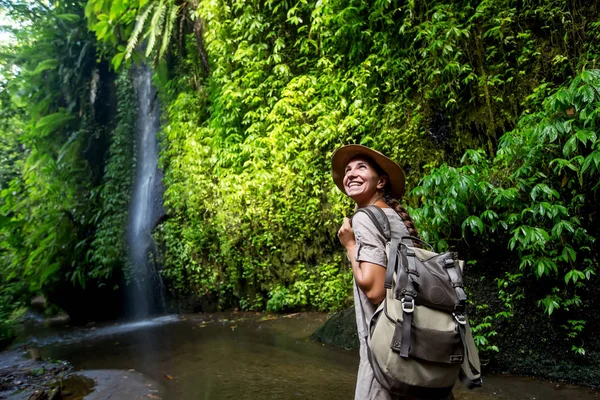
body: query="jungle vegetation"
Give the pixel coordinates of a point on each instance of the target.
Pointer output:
(491, 107)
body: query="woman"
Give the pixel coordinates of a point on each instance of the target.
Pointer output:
(369, 178)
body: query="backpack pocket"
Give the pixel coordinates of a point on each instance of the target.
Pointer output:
(421, 368)
(431, 345)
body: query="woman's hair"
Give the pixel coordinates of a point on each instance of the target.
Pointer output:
(402, 213)
(390, 201)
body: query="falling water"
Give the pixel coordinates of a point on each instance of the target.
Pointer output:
(146, 206)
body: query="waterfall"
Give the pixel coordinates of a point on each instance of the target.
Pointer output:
(147, 291)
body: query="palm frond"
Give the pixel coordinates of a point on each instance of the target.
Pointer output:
(137, 30)
(167, 33)
(155, 26)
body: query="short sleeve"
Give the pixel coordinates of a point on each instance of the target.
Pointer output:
(370, 243)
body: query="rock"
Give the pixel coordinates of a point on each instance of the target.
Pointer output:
(34, 353)
(30, 317)
(122, 385)
(61, 319)
(39, 303)
(55, 394)
(339, 330)
(39, 395)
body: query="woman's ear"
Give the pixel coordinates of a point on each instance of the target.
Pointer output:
(383, 180)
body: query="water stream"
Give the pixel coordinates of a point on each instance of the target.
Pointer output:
(250, 356)
(146, 205)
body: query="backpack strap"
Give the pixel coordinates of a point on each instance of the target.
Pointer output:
(408, 302)
(453, 269)
(379, 219)
(470, 370)
(382, 223)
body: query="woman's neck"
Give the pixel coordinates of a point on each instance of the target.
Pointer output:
(377, 200)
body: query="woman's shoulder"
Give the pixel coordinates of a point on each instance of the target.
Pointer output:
(391, 213)
(367, 233)
(364, 225)
(361, 219)
(396, 223)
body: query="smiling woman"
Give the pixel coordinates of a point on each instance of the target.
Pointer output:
(369, 178)
(361, 181)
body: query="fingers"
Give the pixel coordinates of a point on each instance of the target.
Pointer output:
(345, 226)
(346, 233)
(347, 223)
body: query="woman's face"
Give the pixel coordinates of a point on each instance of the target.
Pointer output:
(361, 181)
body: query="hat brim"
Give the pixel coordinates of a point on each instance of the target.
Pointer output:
(344, 154)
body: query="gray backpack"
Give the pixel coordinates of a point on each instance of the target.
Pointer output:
(419, 340)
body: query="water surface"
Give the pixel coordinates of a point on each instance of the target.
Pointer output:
(224, 357)
(249, 356)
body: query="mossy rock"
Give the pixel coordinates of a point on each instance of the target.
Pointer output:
(339, 330)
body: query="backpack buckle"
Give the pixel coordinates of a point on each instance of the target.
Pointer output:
(460, 318)
(456, 359)
(408, 306)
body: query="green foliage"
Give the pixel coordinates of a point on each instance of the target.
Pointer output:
(45, 209)
(11, 154)
(245, 149)
(253, 211)
(125, 24)
(536, 198)
(11, 307)
(42, 207)
(483, 332)
(108, 250)
(52, 137)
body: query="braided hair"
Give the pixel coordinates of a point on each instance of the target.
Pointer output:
(402, 213)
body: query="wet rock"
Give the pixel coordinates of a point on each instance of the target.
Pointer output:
(54, 394)
(122, 385)
(339, 330)
(34, 354)
(21, 377)
(39, 303)
(193, 304)
(58, 320)
(31, 323)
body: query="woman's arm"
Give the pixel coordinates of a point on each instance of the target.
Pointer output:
(368, 276)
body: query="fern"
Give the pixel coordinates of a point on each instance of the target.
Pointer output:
(52, 122)
(137, 30)
(167, 33)
(155, 27)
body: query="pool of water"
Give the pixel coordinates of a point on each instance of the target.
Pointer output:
(222, 357)
(249, 356)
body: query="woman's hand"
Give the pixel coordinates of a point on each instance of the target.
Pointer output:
(346, 234)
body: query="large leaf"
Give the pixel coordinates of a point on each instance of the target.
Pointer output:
(45, 65)
(51, 123)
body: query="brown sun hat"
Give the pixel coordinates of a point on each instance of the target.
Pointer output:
(344, 154)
